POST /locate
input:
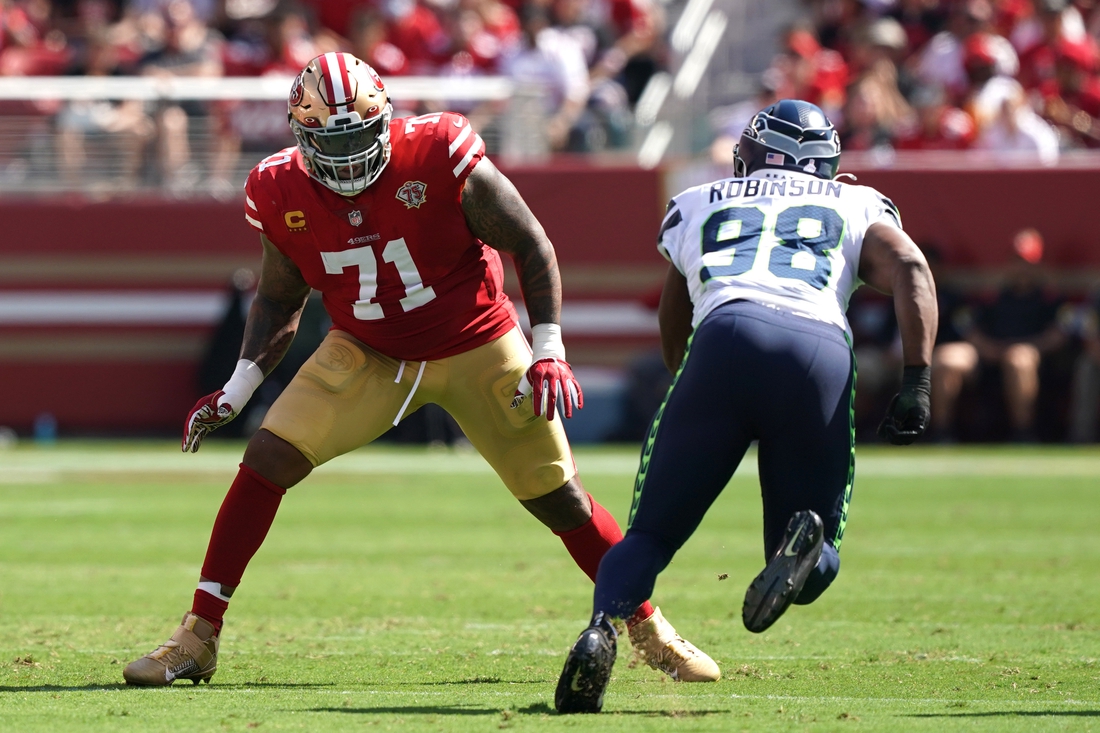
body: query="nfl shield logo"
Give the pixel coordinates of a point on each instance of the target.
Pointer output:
(356, 218)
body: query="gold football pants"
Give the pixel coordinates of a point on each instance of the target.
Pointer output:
(347, 395)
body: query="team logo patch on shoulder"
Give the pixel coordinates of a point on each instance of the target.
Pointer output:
(412, 194)
(355, 218)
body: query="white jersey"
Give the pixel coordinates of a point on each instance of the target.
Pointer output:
(781, 238)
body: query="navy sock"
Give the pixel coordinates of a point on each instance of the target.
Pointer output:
(821, 576)
(628, 573)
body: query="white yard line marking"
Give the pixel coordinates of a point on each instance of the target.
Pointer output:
(33, 465)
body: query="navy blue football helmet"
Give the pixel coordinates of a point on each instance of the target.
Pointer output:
(792, 135)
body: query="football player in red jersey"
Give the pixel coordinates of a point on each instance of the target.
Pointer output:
(398, 223)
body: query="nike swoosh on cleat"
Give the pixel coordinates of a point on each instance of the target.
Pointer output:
(573, 685)
(169, 675)
(787, 550)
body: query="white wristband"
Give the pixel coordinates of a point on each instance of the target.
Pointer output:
(546, 342)
(238, 390)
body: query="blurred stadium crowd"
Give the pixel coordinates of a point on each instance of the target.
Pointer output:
(1012, 76)
(594, 56)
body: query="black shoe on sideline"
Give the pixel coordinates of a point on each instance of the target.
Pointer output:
(587, 669)
(780, 582)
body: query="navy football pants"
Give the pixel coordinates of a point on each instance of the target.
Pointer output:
(750, 373)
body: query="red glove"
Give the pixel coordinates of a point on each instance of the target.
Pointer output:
(205, 417)
(215, 410)
(550, 380)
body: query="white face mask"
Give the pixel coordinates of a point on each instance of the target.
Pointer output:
(347, 157)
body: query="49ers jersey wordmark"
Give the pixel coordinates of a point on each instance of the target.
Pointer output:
(397, 265)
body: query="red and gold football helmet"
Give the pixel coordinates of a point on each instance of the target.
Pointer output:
(340, 115)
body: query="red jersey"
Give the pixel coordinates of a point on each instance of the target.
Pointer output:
(397, 265)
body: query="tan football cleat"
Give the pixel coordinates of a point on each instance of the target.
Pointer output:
(658, 644)
(191, 654)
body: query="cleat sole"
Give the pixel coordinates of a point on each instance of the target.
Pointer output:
(587, 671)
(772, 591)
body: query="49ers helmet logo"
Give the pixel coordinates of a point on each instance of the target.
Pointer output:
(297, 90)
(412, 194)
(376, 79)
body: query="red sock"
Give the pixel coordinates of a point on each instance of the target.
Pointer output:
(245, 517)
(210, 608)
(588, 543)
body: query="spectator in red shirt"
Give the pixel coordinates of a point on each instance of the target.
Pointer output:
(1037, 59)
(499, 20)
(30, 44)
(339, 16)
(1075, 107)
(812, 73)
(473, 48)
(370, 41)
(417, 32)
(939, 125)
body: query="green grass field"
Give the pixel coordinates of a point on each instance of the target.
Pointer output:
(406, 590)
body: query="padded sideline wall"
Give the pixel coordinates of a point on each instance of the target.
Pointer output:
(106, 307)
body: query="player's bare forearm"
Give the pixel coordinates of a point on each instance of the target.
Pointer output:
(499, 217)
(674, 316)
(275, 312)
(891, 263)
(917, 312)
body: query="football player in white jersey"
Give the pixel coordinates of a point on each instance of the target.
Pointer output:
(753, 326)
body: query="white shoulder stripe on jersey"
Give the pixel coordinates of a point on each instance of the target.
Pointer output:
(459, 140)
(474, 148)
(254, 222)
(251, 203)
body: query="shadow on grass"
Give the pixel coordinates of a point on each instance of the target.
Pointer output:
(1014, 713)
(479, 681)
(62, 688)
(183, 686)
(410, 710)
(540, 708)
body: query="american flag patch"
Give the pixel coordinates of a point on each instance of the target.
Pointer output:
(773, 159)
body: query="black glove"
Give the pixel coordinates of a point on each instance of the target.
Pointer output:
(907, 416)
